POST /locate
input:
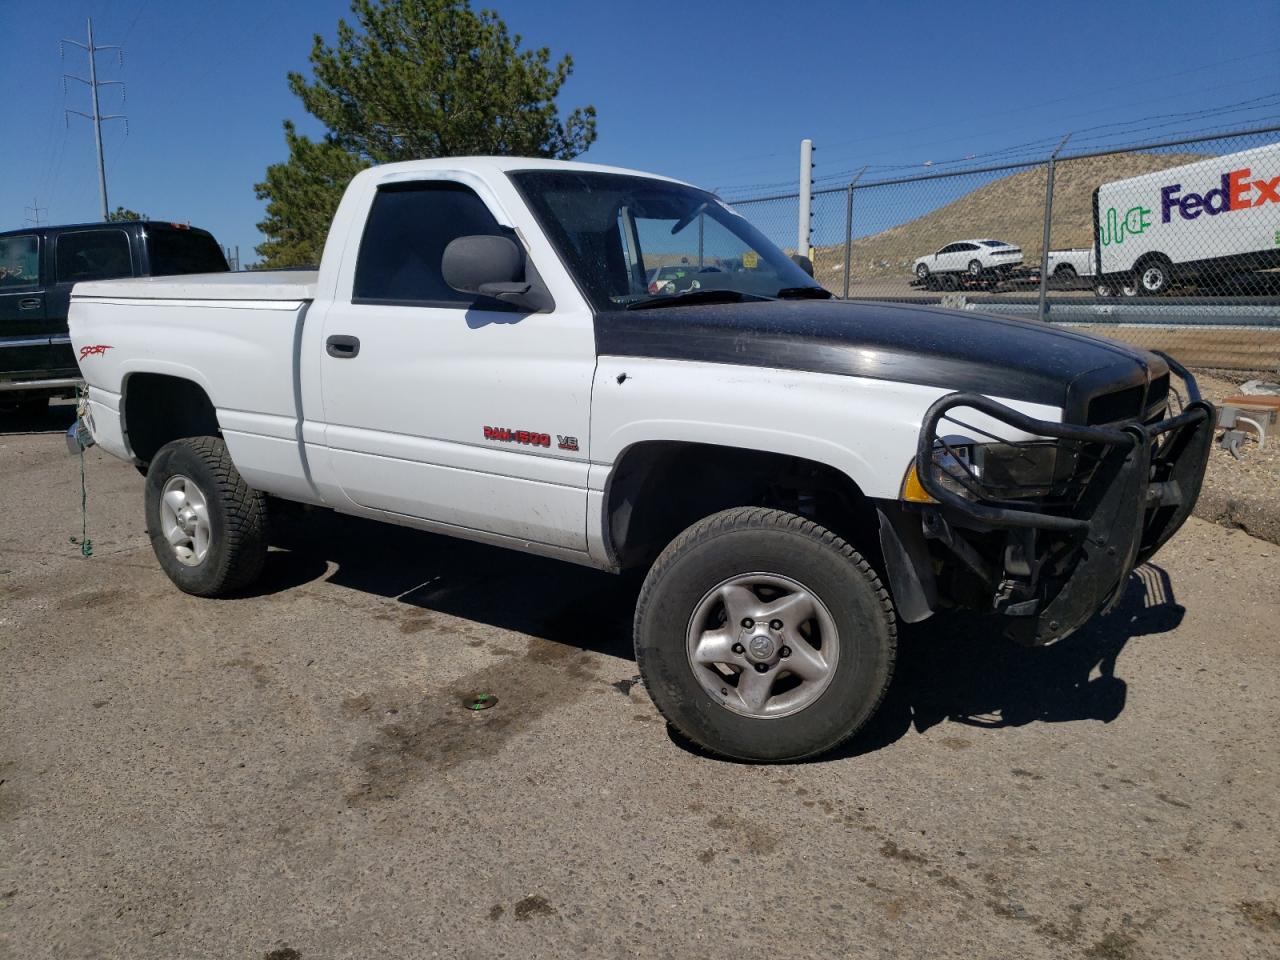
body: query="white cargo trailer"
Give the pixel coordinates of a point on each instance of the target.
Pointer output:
(1215, 216)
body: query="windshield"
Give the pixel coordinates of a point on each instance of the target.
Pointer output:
(632, 239)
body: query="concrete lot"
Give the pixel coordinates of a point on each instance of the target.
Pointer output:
(291, 774)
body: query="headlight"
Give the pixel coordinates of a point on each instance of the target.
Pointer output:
(1012, 471)
(987, 471)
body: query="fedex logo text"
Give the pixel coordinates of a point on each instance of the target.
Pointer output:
(1237, 191)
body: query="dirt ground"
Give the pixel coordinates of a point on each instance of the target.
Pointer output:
(1243, 493)
(291, 775)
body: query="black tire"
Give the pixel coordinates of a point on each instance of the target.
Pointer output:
(922, 272)
(1154, 277)
(1104, 290)
(748, 540)
(949, 281)
(975, 268)
(1065, 274)
(237, 542)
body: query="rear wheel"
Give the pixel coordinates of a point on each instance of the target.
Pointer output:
(763, 636)
(1154, 277)
(975, 268)
(1065, 275)
(949, 281)
(207, 528)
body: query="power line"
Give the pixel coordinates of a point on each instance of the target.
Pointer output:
(857, 157)
(1021, 110)
(1034, 151)
(93, 83)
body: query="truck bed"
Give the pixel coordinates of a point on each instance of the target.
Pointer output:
(286, 285)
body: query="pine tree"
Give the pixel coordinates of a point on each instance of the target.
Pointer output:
(411, 79)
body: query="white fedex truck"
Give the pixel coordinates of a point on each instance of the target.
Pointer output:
(1215, 216)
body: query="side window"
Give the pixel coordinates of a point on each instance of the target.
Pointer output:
(93, 255)
(409, 226)
(965, 247)
(19, 261)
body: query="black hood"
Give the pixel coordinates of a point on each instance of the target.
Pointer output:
(905, 343)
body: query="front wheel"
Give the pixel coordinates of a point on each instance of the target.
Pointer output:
(207, 528)
(763, 636)
(922, 272)
(975, 268)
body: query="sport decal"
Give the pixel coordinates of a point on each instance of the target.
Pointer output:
(97, 350)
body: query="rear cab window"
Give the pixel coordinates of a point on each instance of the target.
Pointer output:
(176, 250)
(92, 255)
(19, 261)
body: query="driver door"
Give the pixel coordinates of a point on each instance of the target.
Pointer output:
(441, 406)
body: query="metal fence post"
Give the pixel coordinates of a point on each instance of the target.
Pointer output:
(804, 226)
(848, 237)
(848, 230)
(1042, 308)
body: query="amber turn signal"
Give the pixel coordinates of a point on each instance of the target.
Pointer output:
(912, 490)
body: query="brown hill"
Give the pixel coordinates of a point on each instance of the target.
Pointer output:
(1010, 208)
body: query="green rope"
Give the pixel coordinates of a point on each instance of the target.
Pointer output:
(86, 545)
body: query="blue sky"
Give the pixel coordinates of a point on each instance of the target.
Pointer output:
(719, 93)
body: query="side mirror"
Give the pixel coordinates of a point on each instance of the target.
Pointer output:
(803, 262)
(488, 266)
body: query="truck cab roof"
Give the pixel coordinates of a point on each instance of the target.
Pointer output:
(128, 226)
(498, 165)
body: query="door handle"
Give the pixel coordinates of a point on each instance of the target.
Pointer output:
(342, 347)
(29, 303)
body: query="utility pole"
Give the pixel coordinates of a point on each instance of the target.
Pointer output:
(93, 83)
(805, 226)
(35, 218)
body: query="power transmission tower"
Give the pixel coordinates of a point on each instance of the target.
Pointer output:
(93, 83)
(34, 210)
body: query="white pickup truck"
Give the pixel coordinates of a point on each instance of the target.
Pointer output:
(480, 354)
(1065, 266)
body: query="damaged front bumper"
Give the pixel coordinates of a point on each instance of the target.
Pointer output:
(1050, 564)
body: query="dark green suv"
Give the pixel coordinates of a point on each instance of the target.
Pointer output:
(38, 268)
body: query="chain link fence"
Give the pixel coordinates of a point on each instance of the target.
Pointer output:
(1172, 245)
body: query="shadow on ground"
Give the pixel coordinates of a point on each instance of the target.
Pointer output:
(955, 669)
(960, 670)
(555, 601)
